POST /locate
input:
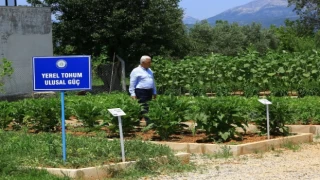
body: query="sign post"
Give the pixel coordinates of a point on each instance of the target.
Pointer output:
(266, 102)
(62, 73)
(117, 112)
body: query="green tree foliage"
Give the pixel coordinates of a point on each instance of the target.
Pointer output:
(128, 28)
(201, 38)
(260, 39)
(309, 12)
(230, 39)
(295, 37)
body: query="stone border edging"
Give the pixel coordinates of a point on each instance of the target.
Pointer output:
(240, 149)
(103, 171)
(314, 129)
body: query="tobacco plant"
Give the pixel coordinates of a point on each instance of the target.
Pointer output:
(42, 114)
(130, 106)
(219, 117)
(278, 72)
(279, 114)
(87, 109)
(7, 114)
(166, 113)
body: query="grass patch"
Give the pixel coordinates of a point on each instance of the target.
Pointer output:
(224, 152)
(45, 150)
(291, 146)
(31, 174)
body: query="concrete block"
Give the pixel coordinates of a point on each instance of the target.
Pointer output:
(211, 148)
(180, 147)
(195, 148)
(299, 128)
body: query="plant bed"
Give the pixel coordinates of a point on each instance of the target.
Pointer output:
(199, 137)
(44, 150)
(185, 141)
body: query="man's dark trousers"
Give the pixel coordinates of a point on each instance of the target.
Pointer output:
(143, 96)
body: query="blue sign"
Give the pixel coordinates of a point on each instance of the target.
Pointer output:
(61, 73)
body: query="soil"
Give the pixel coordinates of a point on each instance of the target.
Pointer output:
(184, 136)
(181, 137)
(200, 137)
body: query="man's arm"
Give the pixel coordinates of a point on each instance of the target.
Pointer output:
(133, 83)
(154, 88)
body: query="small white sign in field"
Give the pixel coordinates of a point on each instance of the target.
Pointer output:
(116, 112)
(264, 101)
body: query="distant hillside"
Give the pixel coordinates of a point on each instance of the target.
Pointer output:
(266, 12)
(189, 20)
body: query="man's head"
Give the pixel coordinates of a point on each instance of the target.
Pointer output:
(145, 61)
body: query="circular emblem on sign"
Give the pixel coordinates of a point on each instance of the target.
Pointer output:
(61, 64)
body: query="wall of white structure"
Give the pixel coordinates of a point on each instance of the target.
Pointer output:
(25, 32)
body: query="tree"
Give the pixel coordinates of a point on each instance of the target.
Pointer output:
(295, 37)
(309, 12)
(230, 39)
(260, 39)
(201, 39)
(129, 28)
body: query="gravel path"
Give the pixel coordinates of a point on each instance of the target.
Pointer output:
(279, 164)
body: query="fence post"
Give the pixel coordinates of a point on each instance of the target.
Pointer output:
(123, 73)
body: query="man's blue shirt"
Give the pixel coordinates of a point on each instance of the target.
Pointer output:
(141, 78)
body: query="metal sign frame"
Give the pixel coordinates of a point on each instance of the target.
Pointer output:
(50, 73)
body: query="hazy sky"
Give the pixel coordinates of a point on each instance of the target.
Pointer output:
(200, 9)
(11, 2)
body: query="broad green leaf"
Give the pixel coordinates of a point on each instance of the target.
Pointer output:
(281, 70)
(306, 74)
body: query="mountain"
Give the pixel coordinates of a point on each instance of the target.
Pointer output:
(266, 12)
(189, 20)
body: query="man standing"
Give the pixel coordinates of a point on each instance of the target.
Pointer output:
(142, 85)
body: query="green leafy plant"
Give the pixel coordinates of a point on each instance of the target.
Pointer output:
(6, 70)
(42, 114)
(166, 113)
(7, 114)
(130, 106)
(248, 72)
(219, 117)
(87, 110)
(279, 114)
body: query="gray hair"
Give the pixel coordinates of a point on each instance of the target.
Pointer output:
(144, 58)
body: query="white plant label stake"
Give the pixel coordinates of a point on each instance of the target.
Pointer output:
(117, 112)
(266, 102)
